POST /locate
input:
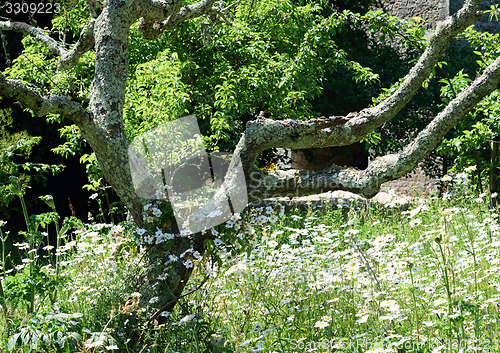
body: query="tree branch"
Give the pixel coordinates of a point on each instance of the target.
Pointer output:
(364, 182)
(343, 131)
(152, 13)
(84, 44)
(262, 134)
(188, 12)
(371, 118)
(97, 136)
(220, 13)
(31, 98)
(35, 32)
(69, 58)
(162, 15)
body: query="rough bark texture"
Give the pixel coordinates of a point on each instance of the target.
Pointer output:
(37, 33)
(108, 33)
(68, 58)
(107, 99)
(364, 182)
(84, 44)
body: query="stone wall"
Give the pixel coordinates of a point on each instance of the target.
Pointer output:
(433, 11)
(482, 23)
(415, 183)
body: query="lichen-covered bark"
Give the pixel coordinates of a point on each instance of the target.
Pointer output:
(84, 44)
(364, 182)
(37, 33)
(439, 41)
(342, 131)
(105, 132)
(111, 32)
(68, 58)
(169, 290)
(41, 105)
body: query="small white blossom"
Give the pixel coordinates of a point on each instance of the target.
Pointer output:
(446, 177)
(321, 324)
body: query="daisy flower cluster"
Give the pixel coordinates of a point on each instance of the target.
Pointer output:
(99, 265)
(367, 283)
(324, 280)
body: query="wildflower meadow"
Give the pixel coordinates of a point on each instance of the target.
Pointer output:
(339, 277)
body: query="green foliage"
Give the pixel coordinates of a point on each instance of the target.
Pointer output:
(38, 280)
(109, 209)
(279, 280)
(326, 275)
(494, 12)
(391, 27)
(73, 145)
(155, 94)
(15, 148)
(469, 143)
(20, 288)
(37, 66)
(94, 173)
(54, 332)
(333, 273)
(21, 146)
(71, 19)
(275, 58)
